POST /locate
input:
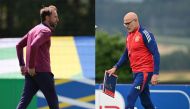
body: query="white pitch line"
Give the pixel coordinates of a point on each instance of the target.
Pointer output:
(86, 81)
(9, 65)
(70, 101)
(9, 42)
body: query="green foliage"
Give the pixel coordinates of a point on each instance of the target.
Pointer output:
(163, 17)
(76, 17)
(177, 61)
(108, 51)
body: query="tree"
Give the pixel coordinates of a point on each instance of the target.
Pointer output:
(108, 51)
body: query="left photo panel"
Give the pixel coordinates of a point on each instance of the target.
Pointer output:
(47, 54)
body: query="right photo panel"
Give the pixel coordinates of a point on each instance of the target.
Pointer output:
(142, 54)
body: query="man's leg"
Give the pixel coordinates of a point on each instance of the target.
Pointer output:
(30, 89)
(46, 85)
(145, 94)
(135, 90)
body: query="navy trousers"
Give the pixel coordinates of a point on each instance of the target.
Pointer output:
(140, 88)
(43, 81)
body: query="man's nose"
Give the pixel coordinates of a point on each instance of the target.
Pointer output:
(57, 19)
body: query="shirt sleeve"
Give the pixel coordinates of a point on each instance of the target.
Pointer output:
(40, 39)
(151, 44)
(19, 49)
(122, 59)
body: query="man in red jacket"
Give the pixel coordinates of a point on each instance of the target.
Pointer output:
(142, 52)
(37, 70)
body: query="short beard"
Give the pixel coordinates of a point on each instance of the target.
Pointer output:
(52, 25)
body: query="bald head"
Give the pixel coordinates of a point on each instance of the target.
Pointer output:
(131, 21)
(130, 16)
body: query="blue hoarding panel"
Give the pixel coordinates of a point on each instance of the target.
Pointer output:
(163, 96)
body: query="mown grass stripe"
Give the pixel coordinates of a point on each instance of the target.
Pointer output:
(7, 53)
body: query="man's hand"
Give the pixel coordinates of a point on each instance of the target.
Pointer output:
(23, 70)
(111, 71)
(154, 79)
(31, 71)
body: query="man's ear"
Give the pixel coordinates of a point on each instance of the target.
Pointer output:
(47, 18)
(135, 20)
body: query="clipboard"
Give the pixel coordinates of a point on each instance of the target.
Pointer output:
(109, 84)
